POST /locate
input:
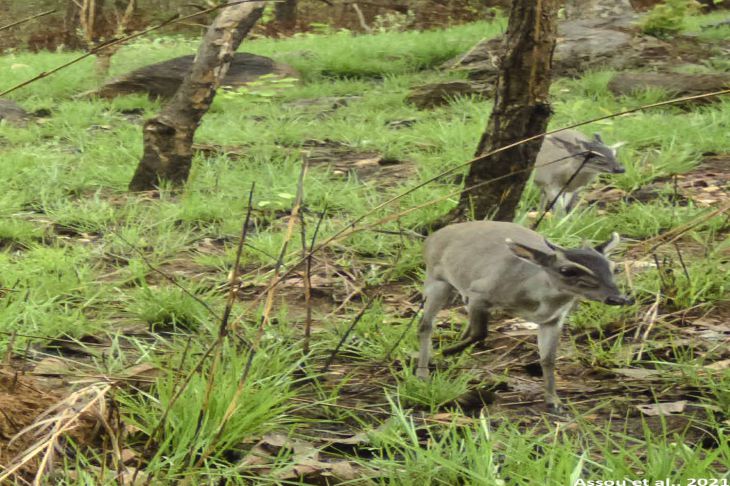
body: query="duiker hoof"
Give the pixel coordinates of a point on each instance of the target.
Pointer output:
(422, 373)
(556, 409)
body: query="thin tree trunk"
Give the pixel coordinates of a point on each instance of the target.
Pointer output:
(285, 14)
(168, 137)
(521, 110)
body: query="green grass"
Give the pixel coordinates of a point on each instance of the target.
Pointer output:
(80, 256)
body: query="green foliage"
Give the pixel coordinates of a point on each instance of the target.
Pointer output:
(239, 407)
(164, 307)
(263, 89)
(668, 18)
(14, 232)
(441, 388)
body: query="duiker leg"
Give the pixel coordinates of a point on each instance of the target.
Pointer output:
(548, 337)
(436, 293)
(551, 195)
(477, 331)
(571, 199)
(544, 201)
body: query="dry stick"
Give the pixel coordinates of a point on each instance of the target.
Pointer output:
(307, 283)
(27, 19)
(114, 42)
(289, 231)
(651, 315)
(360, 218)
(344, 337)
(9, 349)
(223, 328)
(308, 278)
(361, 19)
(586, 156)
(213, 347)
(681, 262)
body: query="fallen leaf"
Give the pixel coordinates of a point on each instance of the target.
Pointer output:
(636, 373)
(450, 418)
(52, 367)
(128, 455)
(142, 371)
(660, 409)
(719, 365)
(308, 463)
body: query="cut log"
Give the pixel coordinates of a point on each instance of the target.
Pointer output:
(164, 78)
(675, 84)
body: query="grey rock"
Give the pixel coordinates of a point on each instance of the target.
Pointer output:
(12, 112)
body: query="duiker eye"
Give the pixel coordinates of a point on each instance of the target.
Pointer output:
(569, 271)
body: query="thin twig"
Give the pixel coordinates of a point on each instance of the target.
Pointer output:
(289, 231)
(308, 278)
(236, 267)
(681, 262)
(9, 349)
(344, 337)
(27, 19)
(651, 315)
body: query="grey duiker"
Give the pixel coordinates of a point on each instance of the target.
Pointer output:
(504, 265)
(561, 156)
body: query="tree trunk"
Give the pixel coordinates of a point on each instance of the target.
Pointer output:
(168, 137)
(521, 110)
(285, 14)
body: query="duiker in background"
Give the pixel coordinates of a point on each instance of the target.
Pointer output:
(561, 155)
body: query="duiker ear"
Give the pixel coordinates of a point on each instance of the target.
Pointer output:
(614, 148)
(608, 246)
(532, 255)
(597, 138)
